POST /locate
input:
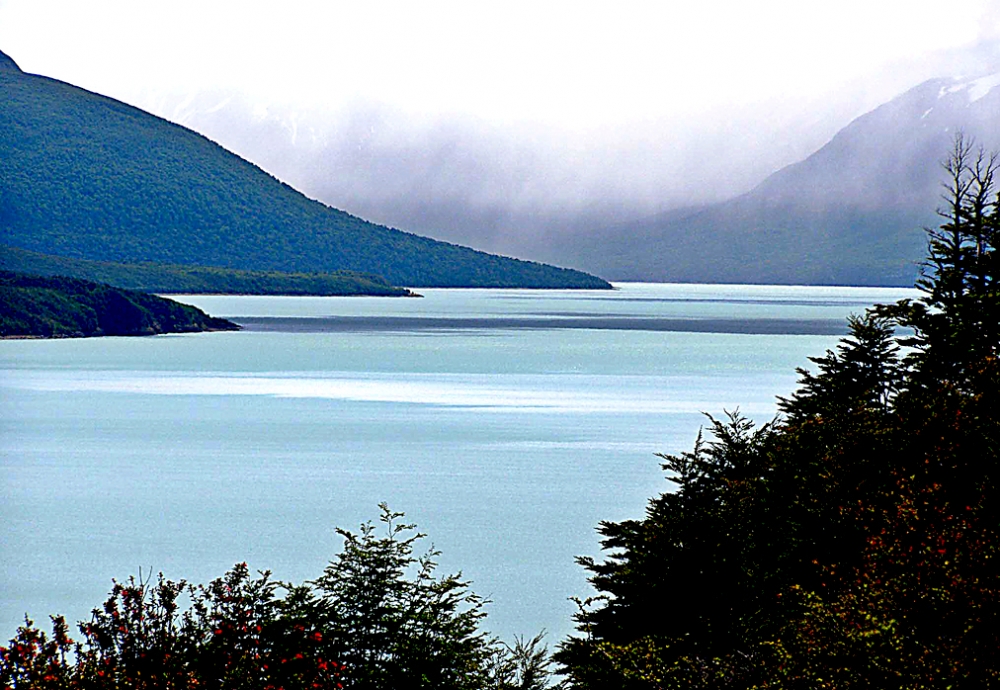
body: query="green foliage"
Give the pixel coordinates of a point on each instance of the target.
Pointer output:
(379, 617)
(391, 620)
(87, 177)
(861, 374)
(851, 543)
(202, 280)
(56, 306)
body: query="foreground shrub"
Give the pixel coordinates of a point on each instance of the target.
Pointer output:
(379, 617)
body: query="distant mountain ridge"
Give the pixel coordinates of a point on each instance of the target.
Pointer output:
(88, 177)
(849, 214)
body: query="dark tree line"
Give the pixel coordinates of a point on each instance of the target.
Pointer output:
(852, 542)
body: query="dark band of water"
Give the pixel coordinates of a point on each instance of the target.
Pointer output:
(382, 324)
(783, 301)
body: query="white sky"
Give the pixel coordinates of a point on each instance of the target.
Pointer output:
(576, 64)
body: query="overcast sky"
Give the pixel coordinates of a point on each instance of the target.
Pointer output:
(575, 64)
(641, 96)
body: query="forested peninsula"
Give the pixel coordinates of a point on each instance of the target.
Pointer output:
(60, 307)
(201, 280)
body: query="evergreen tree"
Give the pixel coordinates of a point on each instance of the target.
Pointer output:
(956, 322)
(853, 542)
(391, 620)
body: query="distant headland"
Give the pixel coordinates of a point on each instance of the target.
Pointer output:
(59, 307)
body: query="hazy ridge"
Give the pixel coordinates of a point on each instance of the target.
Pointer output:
(849, 213)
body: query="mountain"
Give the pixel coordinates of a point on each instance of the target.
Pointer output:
(87, 177)
(849, 214)
(58, 307)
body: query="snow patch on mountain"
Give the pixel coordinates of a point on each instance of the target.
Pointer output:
(982, 86)
(975, 89)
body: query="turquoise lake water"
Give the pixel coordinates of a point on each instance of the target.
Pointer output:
(505, 423)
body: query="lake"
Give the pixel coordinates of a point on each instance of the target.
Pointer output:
(505, 423)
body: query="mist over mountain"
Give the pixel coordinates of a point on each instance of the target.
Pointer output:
(850, 213)
(610, 207)
(514, 188)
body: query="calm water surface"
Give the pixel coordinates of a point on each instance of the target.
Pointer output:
(505, 423)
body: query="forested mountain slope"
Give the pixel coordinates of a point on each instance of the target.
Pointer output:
(88, 177)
